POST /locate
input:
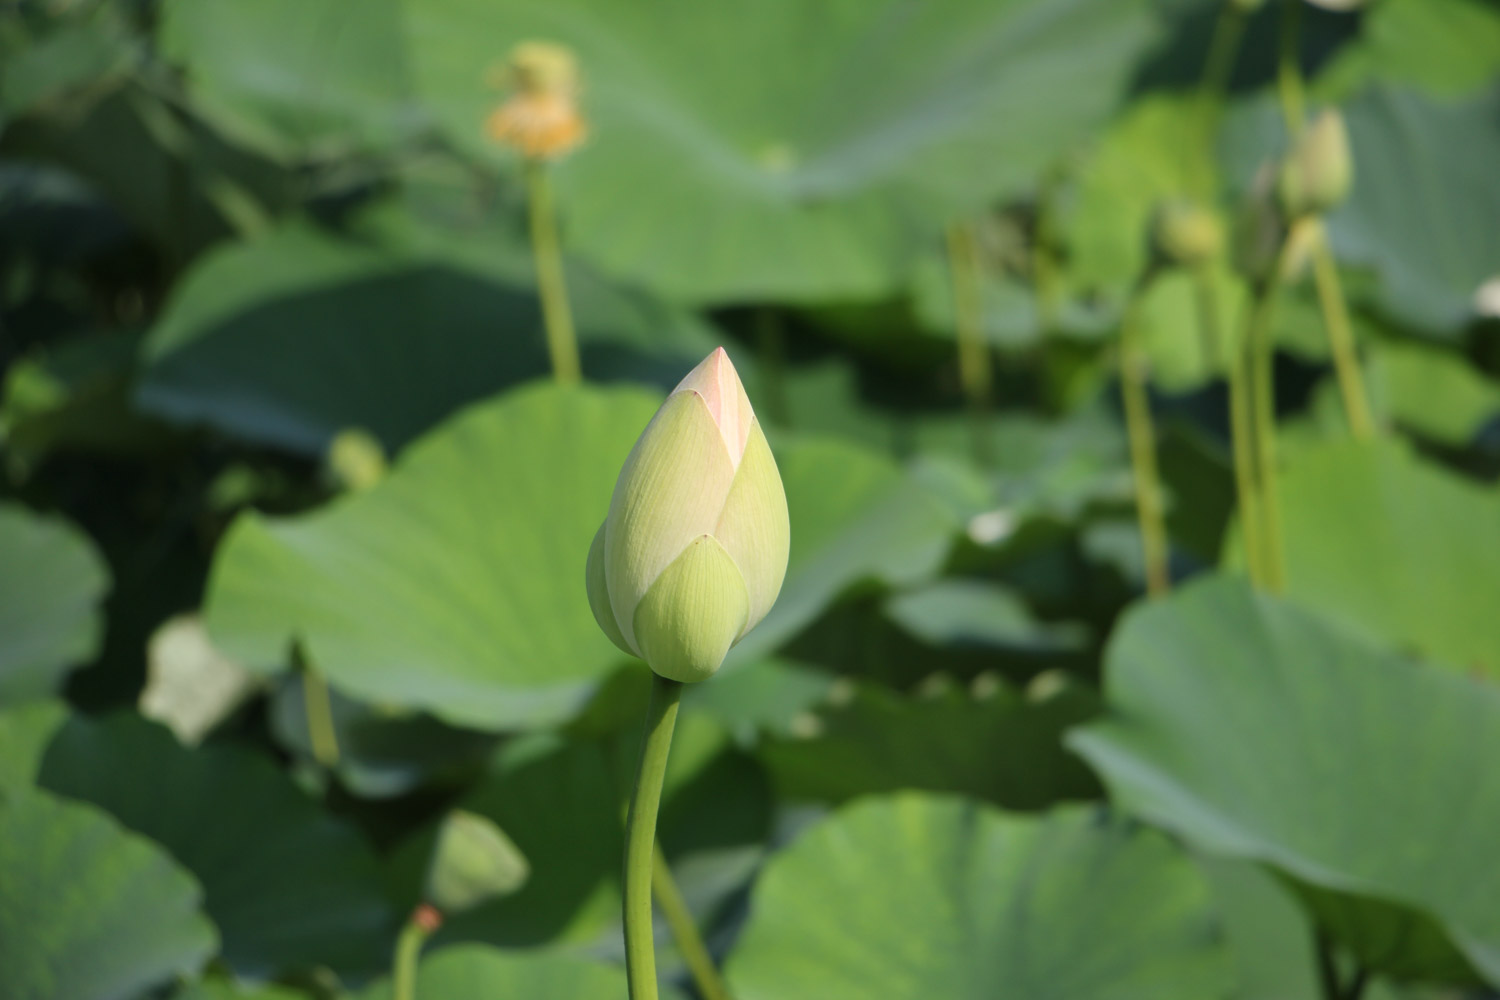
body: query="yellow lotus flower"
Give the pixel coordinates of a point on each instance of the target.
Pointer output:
(694, 549)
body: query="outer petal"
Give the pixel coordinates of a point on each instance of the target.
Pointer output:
(671, 490)
(755, 528)
(599, 604)
(693, 613)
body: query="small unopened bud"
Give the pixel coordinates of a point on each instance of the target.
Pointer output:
(694, 549)
(1259, 228)
(1186, 233)
(541, 118)
(474, 862)
(356, 459)
(1318, 172)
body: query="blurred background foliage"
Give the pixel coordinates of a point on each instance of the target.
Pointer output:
(293, 517)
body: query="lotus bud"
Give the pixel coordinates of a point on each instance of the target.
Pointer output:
(541, 118)
(1186, 233)
(1317, 173)
(474, 861)
(694, 549)
(356, 459)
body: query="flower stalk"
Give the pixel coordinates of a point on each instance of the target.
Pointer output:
(557, 315)
(640, 836)
(423, 923)
(974, 371)
(1141, 433)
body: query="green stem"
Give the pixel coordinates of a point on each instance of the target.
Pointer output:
(562, 345)
(640, 837)
(974, 372)
(685, 931)
(1261, 351)
(408, 951)
(1289, 69)
(1340, 334)
(1223, 48)
(771, 341)
(1141, 433)
(1240, 442)
(1044, 264)
(317, 705)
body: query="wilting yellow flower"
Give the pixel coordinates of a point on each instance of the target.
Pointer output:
(694, 549)
(541, 117)
(1318, 172)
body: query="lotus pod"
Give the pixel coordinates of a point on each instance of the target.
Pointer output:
(474, 862)
(694, 549)
(1318, 172)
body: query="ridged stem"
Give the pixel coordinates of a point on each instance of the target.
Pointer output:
(1141, 433)
(1240, 442)
(974, 372)
(640, 837)
(1261, 350)
(557, 317)
(1340, 333)
(690, 944)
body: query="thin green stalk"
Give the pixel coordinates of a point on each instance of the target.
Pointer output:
(640, 837)
(1340, 333)
(690, 944)
(1141, 433)
(974, 372)
(1239, 415)
(771, 340)
(1261, 351)
(1044, 269)
(562, 345)
(1289, 85)
(317, 705)
(424, 920)
(1223, 49)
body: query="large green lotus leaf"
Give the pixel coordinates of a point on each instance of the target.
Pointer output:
(1445, 47)
(754, 150)
(456, 584)
(911, 897)
(968, 612)
(289, 338)
(1397, 546)
(855, 516)
(996, 745)
(1422, 202)
(80, 53)
(475, 970)
(89, 911)
(220, 989)
(1263, 731)
(294, 79)
(51, 582)
(1434, 392)
(288, 886)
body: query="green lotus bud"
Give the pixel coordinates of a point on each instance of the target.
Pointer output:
(1186, 233)
(474, 861)
(694, 549)
(356, 459)
(1317, 173)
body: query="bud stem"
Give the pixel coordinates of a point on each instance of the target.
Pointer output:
(1232, 361)
(1260, 353)
(685, 932)
(1135, 395)
(640, 837)
(1340, 334)
(557, 318)
(423, 921)
(317, 708)
(968, 317)
(1289, 85)
(1223, 48)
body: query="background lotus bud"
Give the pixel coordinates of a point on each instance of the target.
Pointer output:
(356, 459)
(1186, 233)
(474, 861)
(694, 549)
(1319, 170)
